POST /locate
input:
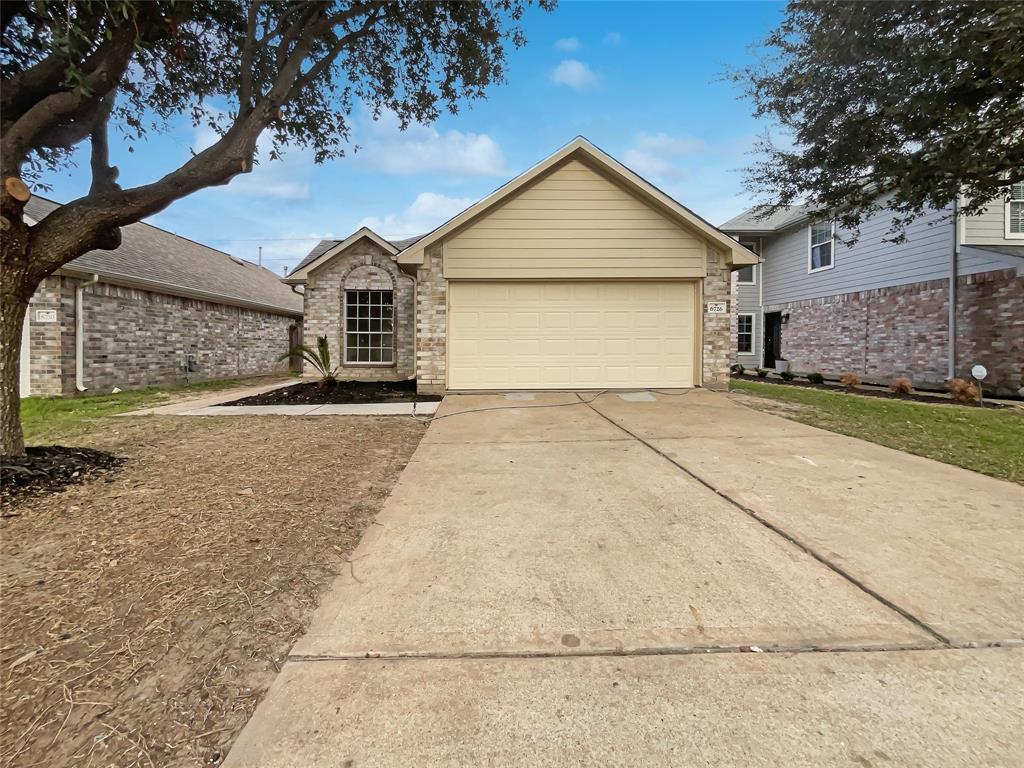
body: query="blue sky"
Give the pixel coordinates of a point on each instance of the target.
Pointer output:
(640, 80)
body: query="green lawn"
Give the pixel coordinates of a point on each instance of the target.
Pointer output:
(986, 440)
(51, 419)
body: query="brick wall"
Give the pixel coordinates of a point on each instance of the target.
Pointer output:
(717, 336)
(990, 327)
(431, 323)
(364, 266)
(135, 338)
(903, 331)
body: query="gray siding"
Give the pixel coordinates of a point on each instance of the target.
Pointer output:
(869, 263)
(748, 302)
(988, 227)
(975, 260)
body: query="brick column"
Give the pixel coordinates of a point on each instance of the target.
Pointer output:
(431, 323)
(716, 352)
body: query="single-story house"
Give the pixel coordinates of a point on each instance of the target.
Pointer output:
(576, 274)
(158, 310)
(951, 296)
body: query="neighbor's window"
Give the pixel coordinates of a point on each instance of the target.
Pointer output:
(745, 275)
(745, 333)
(820, 256)
(1015, 211)
(369, 326)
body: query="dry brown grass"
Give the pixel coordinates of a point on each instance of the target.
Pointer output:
(144, 616)
(850, 380)
(902, 386)
(963, 391)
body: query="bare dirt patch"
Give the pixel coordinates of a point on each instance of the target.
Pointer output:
(144, 617)
(776, 407)
(340, 393)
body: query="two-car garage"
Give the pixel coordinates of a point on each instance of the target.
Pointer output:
(571, 334)
(578, 274)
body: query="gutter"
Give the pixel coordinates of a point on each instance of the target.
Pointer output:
(79, 332)
(169, 289)
(954, 264)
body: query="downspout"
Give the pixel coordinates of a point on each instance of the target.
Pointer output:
(954, 264)
(79, 332)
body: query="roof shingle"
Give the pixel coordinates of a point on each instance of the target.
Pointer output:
(176, 265)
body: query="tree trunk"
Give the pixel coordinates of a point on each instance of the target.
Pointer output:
(12, 440)
(15, 292)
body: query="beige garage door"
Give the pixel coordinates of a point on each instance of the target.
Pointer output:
(601, 334)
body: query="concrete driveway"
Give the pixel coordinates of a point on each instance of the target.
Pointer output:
(557, 582)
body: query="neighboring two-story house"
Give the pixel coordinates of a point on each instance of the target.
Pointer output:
(881, 309)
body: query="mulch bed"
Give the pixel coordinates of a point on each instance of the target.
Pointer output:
(881, 393)
(340, 393)
(144, 618)
(50, 468)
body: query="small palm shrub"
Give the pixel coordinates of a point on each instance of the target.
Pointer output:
(762, 373)
(850, 380)
(737, 369)
(787, 375)
(963, 391)
(902, 386)
(319, 358)
(815, 378)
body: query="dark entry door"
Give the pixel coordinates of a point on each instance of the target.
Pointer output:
(772, 338)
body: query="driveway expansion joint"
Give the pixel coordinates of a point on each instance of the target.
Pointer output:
(685, 650)
(916, 621)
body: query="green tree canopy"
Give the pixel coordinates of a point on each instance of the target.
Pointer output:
(289, 70)
(921, 101)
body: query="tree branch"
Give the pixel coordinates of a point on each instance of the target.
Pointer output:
(245, 95)
(64, 108)
(318, 69)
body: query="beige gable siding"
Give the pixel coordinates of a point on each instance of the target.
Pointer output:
(574, 223)
(988, 227)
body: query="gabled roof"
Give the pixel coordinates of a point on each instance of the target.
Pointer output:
(325, 250)
(582, 149)
(751, 222)
(157, 260)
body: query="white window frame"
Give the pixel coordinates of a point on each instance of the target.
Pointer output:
(753, 333)
(753, 276)
(1006, 213)
(811, 244)
(345, 332)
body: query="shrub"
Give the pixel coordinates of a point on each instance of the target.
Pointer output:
(787, 375)
(815, 378)
(319, 358)
(901, 386)
(963, 391)
(762, 373)
(737, 369)
(850, 380)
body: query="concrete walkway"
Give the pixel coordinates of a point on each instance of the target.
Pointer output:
(583, 584)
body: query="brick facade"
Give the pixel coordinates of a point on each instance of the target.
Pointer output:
(136, 338)
(363, 266)
(990, 327)
(432, 323)
(903, 331)
(716, 352)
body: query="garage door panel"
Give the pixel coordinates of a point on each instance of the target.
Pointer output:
(587, 334)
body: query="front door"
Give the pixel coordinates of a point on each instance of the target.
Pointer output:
(772, 338)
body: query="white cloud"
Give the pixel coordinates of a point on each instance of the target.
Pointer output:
(612, 38)
(568, 44)
(574, 74)
(655, 155)
(383, 147)
(428, 211)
